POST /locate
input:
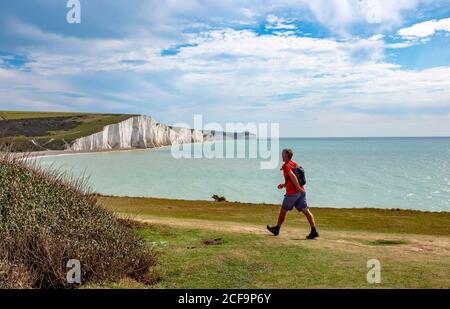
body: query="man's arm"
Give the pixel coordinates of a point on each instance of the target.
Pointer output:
(295, 181)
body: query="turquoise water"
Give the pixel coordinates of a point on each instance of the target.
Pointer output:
(408, 173)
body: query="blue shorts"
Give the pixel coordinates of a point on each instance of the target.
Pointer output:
(295, 200)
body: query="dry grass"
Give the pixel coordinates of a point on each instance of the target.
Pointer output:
(47, 218)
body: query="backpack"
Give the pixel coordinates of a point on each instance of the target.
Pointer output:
(300, 174)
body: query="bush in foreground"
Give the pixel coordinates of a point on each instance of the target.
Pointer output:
(47, 219)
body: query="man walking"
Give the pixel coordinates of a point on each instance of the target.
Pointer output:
(295, 196)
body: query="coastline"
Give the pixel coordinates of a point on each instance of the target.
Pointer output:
(347, 200)
(202, 244)
(56, 153)
(249, 204)
(139, 195)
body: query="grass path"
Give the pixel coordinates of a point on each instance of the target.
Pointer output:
(405, 245)
(364, 220)
(413, 247)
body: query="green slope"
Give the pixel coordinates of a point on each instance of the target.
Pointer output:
(226, 245)
(50, 130)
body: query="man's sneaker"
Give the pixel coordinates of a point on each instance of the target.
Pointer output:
(312, 235)
(275, 230)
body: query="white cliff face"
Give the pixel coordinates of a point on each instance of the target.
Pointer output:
(136, 132)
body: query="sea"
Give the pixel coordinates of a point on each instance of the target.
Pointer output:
(404, 173)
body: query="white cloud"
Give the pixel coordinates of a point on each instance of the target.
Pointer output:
(238, 68)
(376, 37)
(425, 29)
(274, 22)
(337, 15)
(398, 45)
(249, 13)
(234, 75)
(340, 15)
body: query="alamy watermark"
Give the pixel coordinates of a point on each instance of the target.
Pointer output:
(73, 271)
(74, 14)
(232, 141)
(374, 274)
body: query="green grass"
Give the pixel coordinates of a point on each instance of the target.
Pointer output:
(89, 123)
(376, 220)
(254, 261)
(413, 247)
(242, 261)
(15, 115)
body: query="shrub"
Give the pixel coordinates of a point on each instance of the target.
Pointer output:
(47, 218)
(219, 198)
(13, 276)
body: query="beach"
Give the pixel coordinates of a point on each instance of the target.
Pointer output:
(54, 153)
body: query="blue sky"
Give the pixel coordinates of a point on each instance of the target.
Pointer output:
(319, 68)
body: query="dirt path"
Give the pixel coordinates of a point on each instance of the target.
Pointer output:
(406, 246)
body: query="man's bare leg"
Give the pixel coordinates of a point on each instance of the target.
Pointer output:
(312, 222)
(281, 217)
(275, 230)
(309, 216)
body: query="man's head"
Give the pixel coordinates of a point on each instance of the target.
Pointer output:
(287, 155)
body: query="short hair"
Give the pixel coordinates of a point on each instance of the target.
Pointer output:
(289, 152)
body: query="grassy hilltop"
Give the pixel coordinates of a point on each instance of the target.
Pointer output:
(225, 245)
(35, 131)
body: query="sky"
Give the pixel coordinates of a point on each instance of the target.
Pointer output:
(319, 68)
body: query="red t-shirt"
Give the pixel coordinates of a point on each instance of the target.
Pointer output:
(290, 187)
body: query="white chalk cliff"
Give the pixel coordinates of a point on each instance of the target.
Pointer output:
(137, 132)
